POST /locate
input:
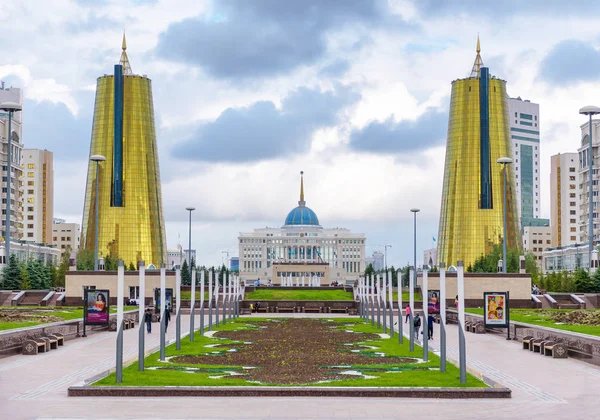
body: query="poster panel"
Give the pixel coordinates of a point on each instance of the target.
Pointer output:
(168, 298)
(96, 307)
(495, 309)
(433, 302)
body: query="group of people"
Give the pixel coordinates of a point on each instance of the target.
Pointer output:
(148, 319)
(334, 283)
(417, 324)
(535, 290)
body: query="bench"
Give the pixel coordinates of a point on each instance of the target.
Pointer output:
(344, 310)
(34, 346)
(264, 309)
(527, 342)
(60, 339)
(131, 323)
(245, 311)
(285, 309)
(468, 326)
(53, 342)
(537, 345)
(305, 309)
(556, 350)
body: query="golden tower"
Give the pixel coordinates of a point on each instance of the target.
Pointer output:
(131, 222)
(471, 217)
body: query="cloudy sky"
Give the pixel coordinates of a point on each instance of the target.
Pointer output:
(248, 93)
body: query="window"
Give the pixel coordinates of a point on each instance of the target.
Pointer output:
(573, 238)
(572, 204)
(574, 230)
(30, 235)
(55, 239)
(573, 221)
(30, 174)
(30, 200)
(29, 191)
(30, 183)
(30, 166)
(571, 169)
(572, 195)
(571, 178)
(30, 226)
(572, 212)
(548, 242)
(29, 217)
(29, 208)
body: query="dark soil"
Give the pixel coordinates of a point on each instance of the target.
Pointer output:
(26, 315)
(577, 317)
(294, 351)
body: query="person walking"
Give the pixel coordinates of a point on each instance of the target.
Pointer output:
(148, 320)
(430, 321)
(167, 318)
(407, 313)
(417, 325)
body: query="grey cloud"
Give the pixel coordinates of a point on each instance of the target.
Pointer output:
(264, 37)
(404, 136)
(52, 126)
(336, 69)
(262, 131)
(569, 62)
(504, 8)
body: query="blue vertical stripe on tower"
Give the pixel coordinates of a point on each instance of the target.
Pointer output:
(484, 140)
(117, 196)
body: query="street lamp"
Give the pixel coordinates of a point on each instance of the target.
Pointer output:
(504, 161)
(227, 260)
(11, 108)
(591, 111)
(190, 209)
(97, 159)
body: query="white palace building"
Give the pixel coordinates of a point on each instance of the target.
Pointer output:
(301, 248)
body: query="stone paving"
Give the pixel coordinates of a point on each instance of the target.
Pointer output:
(35, 387)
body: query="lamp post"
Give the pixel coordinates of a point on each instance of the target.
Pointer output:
(97, 159)
(591, 111)
(504, 161)
(190, 209)
(414, 282)
(11, 108)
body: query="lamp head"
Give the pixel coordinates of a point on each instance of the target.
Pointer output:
(589, 110)
(190, 208)
(415, 210)
(505, 160)
(10, 106)
(97, 158)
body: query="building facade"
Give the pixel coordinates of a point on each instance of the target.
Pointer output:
(471, 217)
(430, 257)
(583, 181)
(25, 251)
(377, 259)
(131, 221)
(16, 183)
(525, 138)
(176, 257)
(39, 195)
(234, 263)
(301, 248)
(536, 239)
(564, 199)
(66, 235)
(569, 258)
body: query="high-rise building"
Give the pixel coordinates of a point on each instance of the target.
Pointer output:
(16, 182)
(583, 181)
(524, 117)
(471, 218)
(564, 199)
(131, 222)
(234, 263)
(39, 195)
(66, 235)
(536, 239)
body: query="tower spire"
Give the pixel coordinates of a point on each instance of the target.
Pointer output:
(478, 61)
(301, 202)
(124, 61)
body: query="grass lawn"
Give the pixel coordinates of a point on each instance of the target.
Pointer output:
(342, 352)
(43, 315)
(187, 295)
(325, 294)
(545, 318)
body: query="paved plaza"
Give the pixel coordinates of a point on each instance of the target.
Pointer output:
(35, 387)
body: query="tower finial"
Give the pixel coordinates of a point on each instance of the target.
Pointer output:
(124, 61)
(478, 45)
(302, 186)
(478, 61)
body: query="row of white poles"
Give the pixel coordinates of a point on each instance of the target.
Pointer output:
(288, 281)
(371, 294)
(233, 291)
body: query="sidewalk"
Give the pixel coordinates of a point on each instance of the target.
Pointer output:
(36, 386)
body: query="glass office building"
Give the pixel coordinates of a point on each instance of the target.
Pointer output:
(131, 222)
(471, 218)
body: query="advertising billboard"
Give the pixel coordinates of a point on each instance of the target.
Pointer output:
(96, 307)
(433, 302)
(168, 296)
(495, 311)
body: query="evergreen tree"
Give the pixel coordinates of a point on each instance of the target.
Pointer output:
(34, 274)
(63, 267)
(369, 270)
(50, 272)
(131, 266)
(583, 283)
(11, 275)
(185, 273)
(85, 260)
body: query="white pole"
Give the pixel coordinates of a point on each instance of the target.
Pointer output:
(177, 309)
(120, 294)
(425, 324)
(391, 301)
(142, 293)
(163, 305)
(411, 304)
(461, 323)
(400, 305)
(302, 280)
(442, 317)
(193, 297)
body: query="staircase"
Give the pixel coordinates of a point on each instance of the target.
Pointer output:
(545, 303)
(6, 297)
(564, 301)
(33, 298)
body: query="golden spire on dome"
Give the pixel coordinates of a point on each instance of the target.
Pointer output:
(124, 61)
(302, 187)
(478, 61)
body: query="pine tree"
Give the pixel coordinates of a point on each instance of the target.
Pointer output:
(131, 266)
(11, 274)
(185, 273)
(63, 267)
(85, 260)
(34, 274)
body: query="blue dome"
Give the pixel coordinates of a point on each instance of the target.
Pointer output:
(302, 215)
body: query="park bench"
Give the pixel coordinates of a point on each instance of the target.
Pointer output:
(53, 342)
(264, 309)
(537, 345)
(556, 350)
(245, 311)
(305, 309)
(34, 346)
(344, 310)
(60, 339)
(468, 326)
(130, 322)
(527, 342)
(285, 309)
